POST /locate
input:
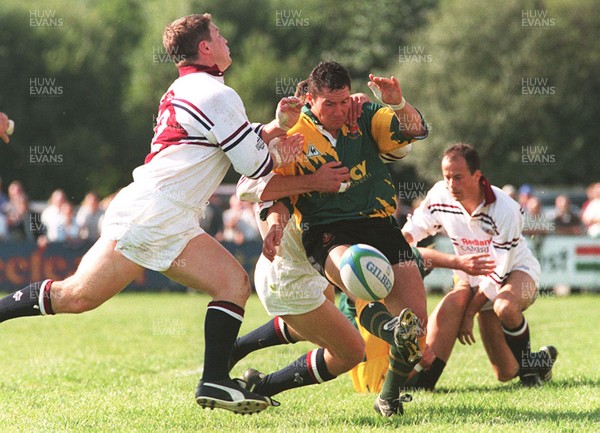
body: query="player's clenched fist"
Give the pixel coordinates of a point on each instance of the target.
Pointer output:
(288, 112)
(285, 149)
(330, 176)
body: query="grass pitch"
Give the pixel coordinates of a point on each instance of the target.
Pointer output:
(133, 366)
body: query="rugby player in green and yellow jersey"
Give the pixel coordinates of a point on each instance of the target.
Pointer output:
(362, 212)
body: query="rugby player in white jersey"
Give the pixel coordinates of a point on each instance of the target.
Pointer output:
(480, 219)
(153, 223)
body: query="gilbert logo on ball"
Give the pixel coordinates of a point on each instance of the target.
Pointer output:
(366, 272)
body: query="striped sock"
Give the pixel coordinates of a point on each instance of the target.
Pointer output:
(33, 300)
(272, 333)
(306, 370)
(221, 326)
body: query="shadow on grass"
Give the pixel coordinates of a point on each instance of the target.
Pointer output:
(515, 385)
(482, 412)
(471, 414)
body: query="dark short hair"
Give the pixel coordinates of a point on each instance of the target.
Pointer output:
(466, 151)
(182, 36)
(328, 75)
(301, 90)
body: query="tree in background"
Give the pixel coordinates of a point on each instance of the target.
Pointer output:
(63, 77)
(519, 80)
(107, 60)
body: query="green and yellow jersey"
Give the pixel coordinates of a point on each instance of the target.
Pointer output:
(371, 193)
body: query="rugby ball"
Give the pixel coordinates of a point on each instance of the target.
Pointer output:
(366, 272)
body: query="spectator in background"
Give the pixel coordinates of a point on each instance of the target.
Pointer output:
(51, 215)
(212, 223)
(239, 225)
(89, 216)
(511, 191)
(565, 218)
(589, 192)
(67, 230)
(525, 193)
(535, 222)
(591, 212)
(18, 215)
(3, 227)
(3, 198)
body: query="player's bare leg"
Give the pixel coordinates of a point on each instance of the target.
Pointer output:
(273, 333)
(327, 327)
(102, 273)
(516, 296)
(445, 321)
(504, 364)
(205, 265)
(340, 348)
(442, 332)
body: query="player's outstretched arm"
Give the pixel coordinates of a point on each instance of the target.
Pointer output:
(388, 91)
(472, 264)
(331, 177)
(465, 334)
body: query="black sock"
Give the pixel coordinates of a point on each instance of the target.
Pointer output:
(26, 302)
(306, 370)
(377, 320)
(272, 333)
(428, 378)
(519, 344)
(221, 326)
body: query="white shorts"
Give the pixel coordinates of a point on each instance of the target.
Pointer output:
(149, 229)
(288, 287)
(530, 266)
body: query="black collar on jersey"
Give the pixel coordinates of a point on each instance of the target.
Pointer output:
(191, 69)
(306, 110)
(490, 197)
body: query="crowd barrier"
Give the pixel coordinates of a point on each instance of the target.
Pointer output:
(566, 261)
(572, 261)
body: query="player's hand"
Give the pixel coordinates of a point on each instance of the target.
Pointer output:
(356, 102)
(4, 127)
(330, 176)
(286, 148)
(288, 112)
(386, 89)
(272, 241)
(476, 264)
(465, 334)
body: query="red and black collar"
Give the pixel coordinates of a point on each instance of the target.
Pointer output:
(490, 197)
(191, 69)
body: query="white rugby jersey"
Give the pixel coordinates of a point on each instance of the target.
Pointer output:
(201, 129)
(494, 228)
